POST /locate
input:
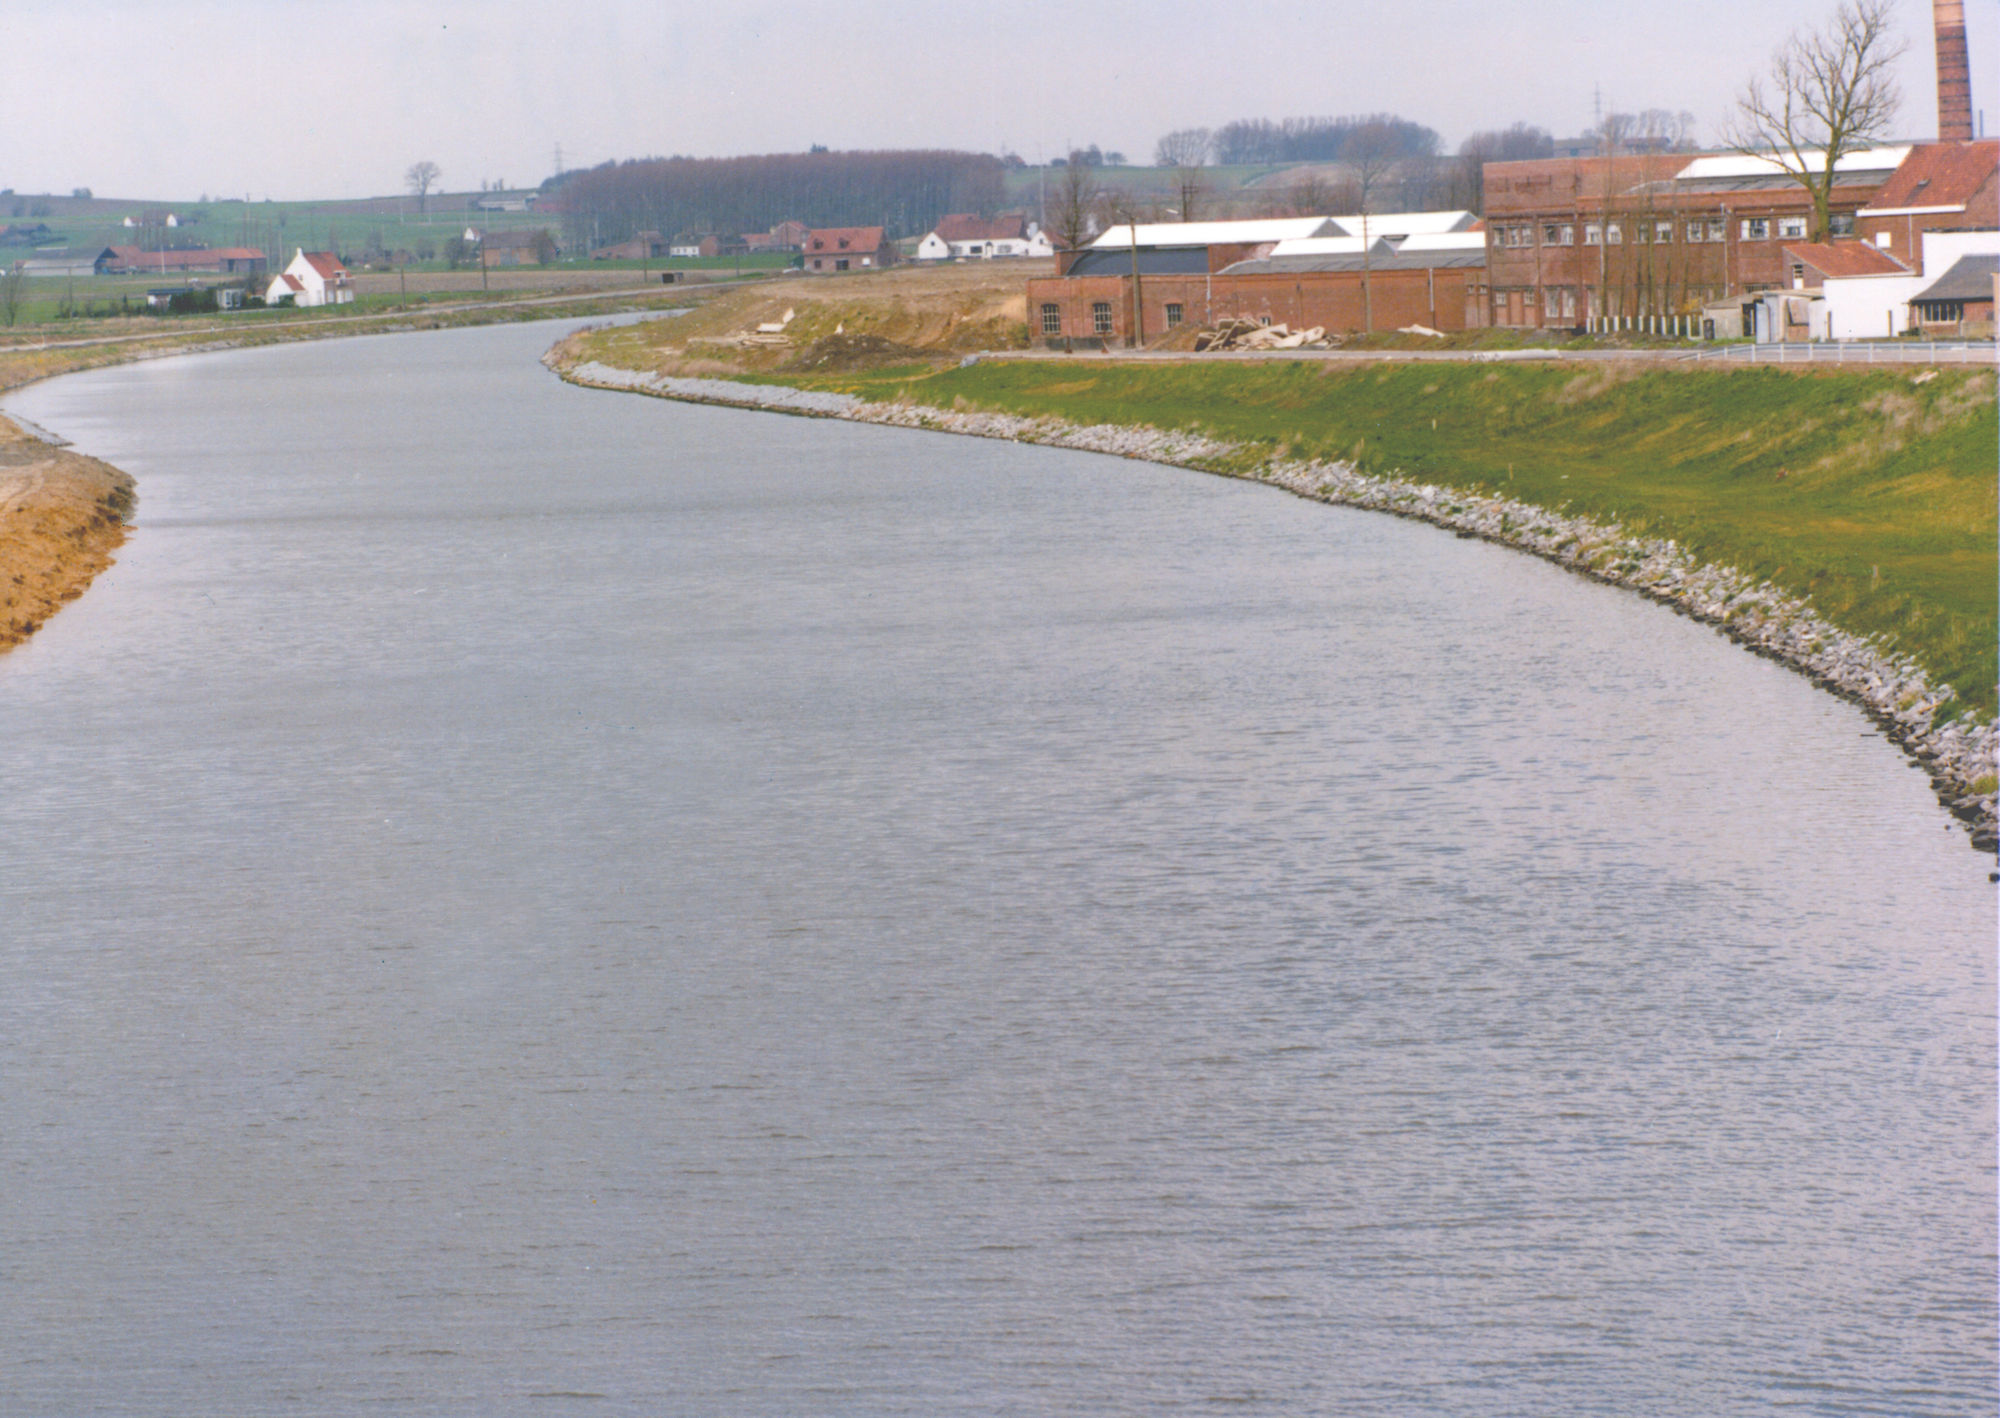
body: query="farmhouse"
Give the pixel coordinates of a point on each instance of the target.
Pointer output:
(848, 248)
(971, 238)
(222, 260)
(312, 278)
(642, 246)
(70, 261)
(517, 248)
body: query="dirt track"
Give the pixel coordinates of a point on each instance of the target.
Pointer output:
(61, 517)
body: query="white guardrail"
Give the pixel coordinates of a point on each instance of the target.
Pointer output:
(1857, 352)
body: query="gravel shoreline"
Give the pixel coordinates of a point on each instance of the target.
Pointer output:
(1894, 691)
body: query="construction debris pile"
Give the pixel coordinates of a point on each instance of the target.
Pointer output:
(1243, 334)
(770, 334)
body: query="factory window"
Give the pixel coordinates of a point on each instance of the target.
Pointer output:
(1100, 317)
(1663, 233)
(1051, 319)
(1173, 314)
(1792, 228)
(1718, 229)
(1549, 234)
(1756, 229)
(1593, 234)
(1842, 224)
(1697, 231)
(1614, 235)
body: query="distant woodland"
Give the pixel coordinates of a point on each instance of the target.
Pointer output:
(905, 192)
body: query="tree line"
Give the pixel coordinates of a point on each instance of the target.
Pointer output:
(904, 192)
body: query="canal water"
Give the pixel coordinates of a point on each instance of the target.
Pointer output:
(520, 900)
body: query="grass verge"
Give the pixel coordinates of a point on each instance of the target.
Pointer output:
(1872, 494)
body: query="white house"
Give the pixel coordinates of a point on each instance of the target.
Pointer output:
(961, 237)
(313, 278)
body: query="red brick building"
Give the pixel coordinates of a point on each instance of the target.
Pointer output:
(1424, 269)
(1576, 239)
(848, 248)
(1939, 187)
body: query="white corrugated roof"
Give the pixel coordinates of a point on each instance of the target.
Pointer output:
(1351, 245)
(1406, 223)
(1215, 233)
(1319, 246)
(1736, 165)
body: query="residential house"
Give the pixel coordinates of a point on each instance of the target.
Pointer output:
(848, 248)
(690, 247)
(962, 237)
(312, 278)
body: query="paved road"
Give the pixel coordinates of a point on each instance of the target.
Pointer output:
(1730, 356)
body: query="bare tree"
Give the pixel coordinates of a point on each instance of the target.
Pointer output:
(1827, 94)
(1467, 178)
(1070, 218)
(1310, 195)
(13, 289)
(1184, 147)
(421, 177)
(1665, 130)
(1372, 154)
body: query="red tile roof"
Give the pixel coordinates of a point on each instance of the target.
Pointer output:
(1845, 258)
(291, 280)
(326, 263)
(845, 238)
(961, 226)
(1940, 175)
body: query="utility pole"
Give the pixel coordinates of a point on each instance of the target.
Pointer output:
(1138, 307)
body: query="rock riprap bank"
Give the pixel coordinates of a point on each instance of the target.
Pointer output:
(1898, 694)
(62, 516)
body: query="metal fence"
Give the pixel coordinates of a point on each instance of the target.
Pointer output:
(1856, 352)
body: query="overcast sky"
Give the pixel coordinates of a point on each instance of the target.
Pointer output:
(336, 98)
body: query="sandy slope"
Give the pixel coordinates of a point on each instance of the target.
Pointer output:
(61, 517)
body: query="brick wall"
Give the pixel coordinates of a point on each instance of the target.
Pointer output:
(1450, 298)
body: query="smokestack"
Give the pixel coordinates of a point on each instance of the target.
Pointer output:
(1954, 72)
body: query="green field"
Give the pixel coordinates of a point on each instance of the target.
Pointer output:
(1871, 494)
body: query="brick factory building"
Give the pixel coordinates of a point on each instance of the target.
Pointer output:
(1939, 187)
(1571, 240)
(1423, 268)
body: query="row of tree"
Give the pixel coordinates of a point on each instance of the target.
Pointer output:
(904, 192)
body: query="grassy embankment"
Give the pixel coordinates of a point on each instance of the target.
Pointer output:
(1869, 493)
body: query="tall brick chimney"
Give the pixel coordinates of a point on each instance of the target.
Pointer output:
(1954, 74)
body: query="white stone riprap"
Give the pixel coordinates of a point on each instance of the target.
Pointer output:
(1894, 690)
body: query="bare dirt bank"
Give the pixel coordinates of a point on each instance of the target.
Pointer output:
(62, 516)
